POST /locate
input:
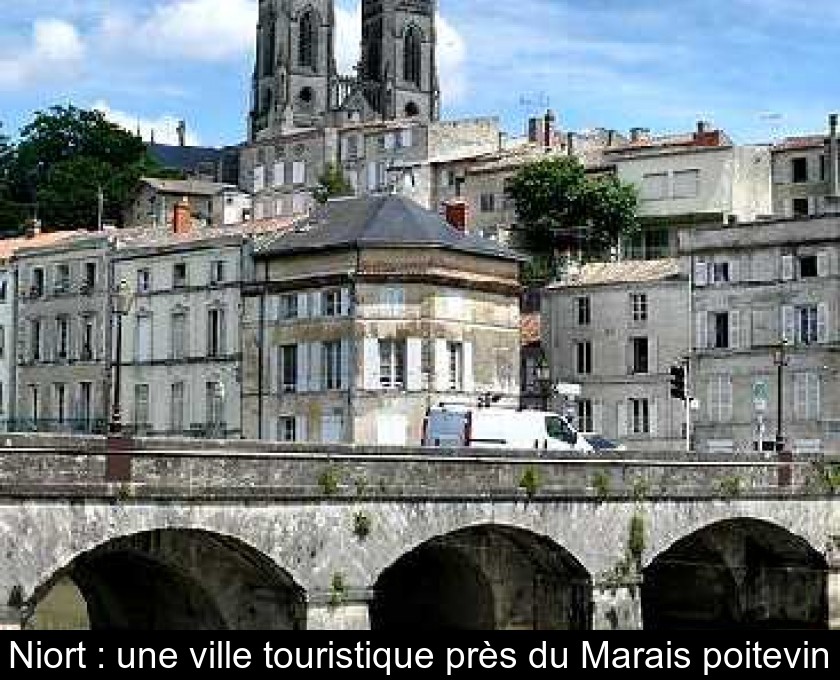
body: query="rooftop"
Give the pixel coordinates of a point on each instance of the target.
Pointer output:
(530, 328)
(187, 187)
(10, 246)
(629, 271)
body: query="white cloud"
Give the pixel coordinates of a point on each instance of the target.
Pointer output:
(56, 51)
(163, 127)
(201, 30)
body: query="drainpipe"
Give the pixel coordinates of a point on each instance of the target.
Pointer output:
(261, 342)
(834, 161)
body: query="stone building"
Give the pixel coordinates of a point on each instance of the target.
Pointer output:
(63, 343)
(755, 286)
(806, 174)
(615, 329)
(362, 317)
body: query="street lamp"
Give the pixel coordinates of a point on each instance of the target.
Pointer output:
(121, 300)
(780, 360)
(542, 373)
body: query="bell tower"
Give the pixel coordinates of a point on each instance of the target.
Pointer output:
(398, 58)
(295, 67)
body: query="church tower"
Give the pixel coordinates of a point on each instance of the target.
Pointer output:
(398, 58)
(295, 66)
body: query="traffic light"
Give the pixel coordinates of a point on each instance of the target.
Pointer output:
(678, 382)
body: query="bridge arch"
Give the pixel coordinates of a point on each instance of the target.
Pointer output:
(483, 577)
(174, 579)
(739, 573)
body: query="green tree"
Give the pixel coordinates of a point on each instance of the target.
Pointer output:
(559, 208)
(12, 214)
(332, 183)
(65, 155)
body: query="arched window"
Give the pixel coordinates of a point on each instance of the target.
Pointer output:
(308, 41)
(269, 48)
(412, 56)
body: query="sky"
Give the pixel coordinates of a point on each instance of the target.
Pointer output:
(758, 69)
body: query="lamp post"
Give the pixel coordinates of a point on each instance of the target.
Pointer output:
(121, 300)
(542, 373)
(785, 472)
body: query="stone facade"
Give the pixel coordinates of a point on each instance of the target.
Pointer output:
(754, 287)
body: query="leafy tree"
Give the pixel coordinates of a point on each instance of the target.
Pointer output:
(63, 158)
(332, 183)
(12, 213)
(560, 209)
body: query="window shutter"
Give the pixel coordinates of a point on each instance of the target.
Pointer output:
(746, 329)
(372, 176)
(822, 323)
(315, 304)
(275, 370)
(279, 174)
(441, 366)
(259, 178)
(302, 306)
(787, 267)
(814, 396)
(316, 382)
(405, 137)
(653, 414)
(303, 368)
(413, 364)
(653, 355)
(389, 141)
(301, 434)
(726, 398)
(800, 395)
(622, 419)
(823, 264)
(746, 268)
(345, 364)
(701, 274)
(298, 172)
(713, 399)
(734, 330)
(345, 148)
(734, 272)
(701, 330)
(345, 302)
(469, 376)
(598, 415)
(222, 332)
(371, 364)
(788, 324)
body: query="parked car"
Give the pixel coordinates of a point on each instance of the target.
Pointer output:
(488, 427)
(600, 443)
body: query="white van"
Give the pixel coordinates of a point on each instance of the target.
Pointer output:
(472, 427)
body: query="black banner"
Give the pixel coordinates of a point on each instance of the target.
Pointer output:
(699, 654)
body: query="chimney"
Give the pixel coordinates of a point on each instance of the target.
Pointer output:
(639, 134)
(455, 213)
(833, 159)
(535, 130)
(702, 127)
(610, 137)
(182, 222)
(182, 133)
(33, 228)
(548, 129)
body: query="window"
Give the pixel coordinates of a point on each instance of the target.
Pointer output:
(721, 329)
(352, 147)
(641, 355)
(639, 416)
(308, 41)
(799, 169)
(179, 275)
(2, 397)
(62, 339)
(141, 406)
(823, 168)
(655, 186)
(89, 282)
(286, 429)
(392, 364)
(86, 351)
(686, 183)
(34, 403)
(298, 172)
(393, 301)
(331, 303)
(143, 348)
(176, 407)
(583, 357)
(584, 415)
(412, 56)
(332, 365)
(179, 335)
(800, 207)
(4, 290)
(287, 367)
(720, 272)
(638, 306)
(35, 340)
(144, 280)
(584, 311)
(37, 282)
(2, 341)
(60, 399)
(807, 328)
(62, 278)
(455, 354)
(85, 405)
(806, 396)
(720, 398)
(215, 407)
(215, 333)
(488, 203)
(217, 272)
(332, 427)
(808, 266)
(288, 307)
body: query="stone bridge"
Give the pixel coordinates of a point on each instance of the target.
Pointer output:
(173, 534)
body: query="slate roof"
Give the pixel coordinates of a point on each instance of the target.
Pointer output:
(185, 158)
(379, 221)
(629, 271)
(187, 187)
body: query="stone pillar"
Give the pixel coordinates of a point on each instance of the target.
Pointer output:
(832, 558)
(617, 606)
(339, 609)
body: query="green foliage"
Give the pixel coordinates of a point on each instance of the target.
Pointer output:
(601, 483)
(626, 571)
(731, 486)
(328, 481)
(332, 183)
(12, 212)
(361, 486)
(636, 538)
(640, 488)
(530, 481)
(829, 476)
(361, 525)
(338, 590)
(560, 209)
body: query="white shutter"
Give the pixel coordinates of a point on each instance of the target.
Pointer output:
(598, 415)
(814, 396)
(259, 178)
(316, 352)
(372, 176)
(389, 141)
(405, 138)
(701, 274)
(823, 264)
(275, 376)
(622, 418)
(345, 302)
(701, 331)
(345, 364)
(144, 338)
(800, 395)
(315, 304)
(746, 329)
(746, 268)
(413, 361)
(301, 435)
(726, 398)
(279, 174)
(788, 324)
(734, 330)
(345, 148)
(302, 306)
(299, 172)
(822, 323)
(713, 399)
(653, 414)
(441, 366)
(787, 267)
(734, 273)
(469, 374)
(371, 364)
(303, 367)
(653, 355)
